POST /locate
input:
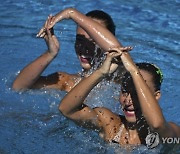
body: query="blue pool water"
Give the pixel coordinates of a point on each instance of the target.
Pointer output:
(30, 122)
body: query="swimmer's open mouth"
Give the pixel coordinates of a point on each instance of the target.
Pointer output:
(85, 59)
(126, 109)
(129, 111)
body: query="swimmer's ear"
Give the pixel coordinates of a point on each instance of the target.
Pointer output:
(157, 95)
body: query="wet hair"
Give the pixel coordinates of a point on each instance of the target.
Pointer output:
(127, 84)
(154, 71)
(103, 16)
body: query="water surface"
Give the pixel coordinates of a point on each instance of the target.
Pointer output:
(30, 122)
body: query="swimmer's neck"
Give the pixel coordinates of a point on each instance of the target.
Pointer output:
(138, 125)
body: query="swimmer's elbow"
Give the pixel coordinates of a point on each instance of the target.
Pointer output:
(158, 125)
(63, 110)
(16, 87)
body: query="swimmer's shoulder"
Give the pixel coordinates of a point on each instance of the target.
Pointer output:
(67, 81)
(107, 116)
(109, 122)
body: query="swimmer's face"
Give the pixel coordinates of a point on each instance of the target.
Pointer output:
(129, 99)
(86, 48)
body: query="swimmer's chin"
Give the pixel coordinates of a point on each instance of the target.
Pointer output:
(86, 66)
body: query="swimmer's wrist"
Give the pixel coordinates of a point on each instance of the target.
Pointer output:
(100, 73)
(50, 55)
(65, 14)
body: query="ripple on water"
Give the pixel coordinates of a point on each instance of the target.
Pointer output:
(30, 121)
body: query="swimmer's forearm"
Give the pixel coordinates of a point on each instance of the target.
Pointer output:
(149, 105)
(73, 101)
(104, 38)
(29, 75)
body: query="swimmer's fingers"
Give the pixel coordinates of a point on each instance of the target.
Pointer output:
(46, 35)
(51, 22)
(51, 37)
(50, 33)
(113, 54)
(106, 68)
(121, 49)
(48, 26)
(126, 49)
(42, 31)
(43, 35)
(113, 58)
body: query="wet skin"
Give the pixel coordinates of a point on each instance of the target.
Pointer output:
(83, 59)
(129, 100)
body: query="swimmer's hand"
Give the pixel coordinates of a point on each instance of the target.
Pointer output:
(127, 60)
(108, 66)
(46, 26)
(65, 14)
(52, 43)
(117, 60)
(51, 40)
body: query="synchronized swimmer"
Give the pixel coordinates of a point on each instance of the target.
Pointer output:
(140, 85)
(30, 77)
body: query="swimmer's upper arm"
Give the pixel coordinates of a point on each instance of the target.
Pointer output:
(85, 116)
(99, 118)
(96, 118)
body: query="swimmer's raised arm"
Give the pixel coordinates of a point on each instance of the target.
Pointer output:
(29, 76)
(148, 102)
(72, 105)
(104, 38)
